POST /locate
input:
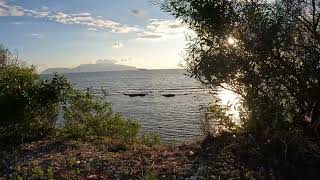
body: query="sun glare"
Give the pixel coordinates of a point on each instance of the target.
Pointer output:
(229, 98)
(231, 41)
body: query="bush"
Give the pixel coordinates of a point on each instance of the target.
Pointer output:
(86, 117)
(150, 140)
(29, 107)
(218, 119)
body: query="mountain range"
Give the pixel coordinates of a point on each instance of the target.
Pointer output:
(100, 66)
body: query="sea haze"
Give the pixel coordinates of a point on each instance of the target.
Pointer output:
(175, 117)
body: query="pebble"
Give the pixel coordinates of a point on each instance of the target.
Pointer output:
(92, 177)
(191, 153)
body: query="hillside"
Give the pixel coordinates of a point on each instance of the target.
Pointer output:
(98, 67)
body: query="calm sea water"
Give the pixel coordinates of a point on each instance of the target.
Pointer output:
(175, 117)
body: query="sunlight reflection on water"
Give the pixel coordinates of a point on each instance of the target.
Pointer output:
(213, 122)
(232, 100)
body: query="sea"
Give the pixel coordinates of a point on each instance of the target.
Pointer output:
(174, 118)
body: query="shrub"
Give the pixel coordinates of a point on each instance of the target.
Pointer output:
(86, 116)
(217, 119)
(29, 107)
(150, 140)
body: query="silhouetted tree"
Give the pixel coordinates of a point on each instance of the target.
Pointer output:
(266, 51)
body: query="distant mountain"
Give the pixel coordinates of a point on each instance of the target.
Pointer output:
(98, 67)
(55, 70)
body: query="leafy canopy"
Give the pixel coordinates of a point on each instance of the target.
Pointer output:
(266, 51)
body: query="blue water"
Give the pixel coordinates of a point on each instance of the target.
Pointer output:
(170, 117)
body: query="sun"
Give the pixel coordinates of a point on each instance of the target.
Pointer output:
(231, 41)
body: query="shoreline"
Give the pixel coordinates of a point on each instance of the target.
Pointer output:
(223, 157)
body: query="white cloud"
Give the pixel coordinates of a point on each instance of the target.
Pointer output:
(37, 14)
(10, 10)
(36, 35)
(166, 26)
(159, 29)
(117, 45)
(138, 13)
(86, 19)
(92, 29)
(106, 61)
(155, 29)
(3, 12)
(17, 23)
(15, 11)
(149, 35)
(44, 8)
(2, 2)
(125, 60)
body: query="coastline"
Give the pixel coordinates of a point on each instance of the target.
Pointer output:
(223, 157)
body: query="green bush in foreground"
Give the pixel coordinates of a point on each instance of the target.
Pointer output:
(29, 107)
(87, 116)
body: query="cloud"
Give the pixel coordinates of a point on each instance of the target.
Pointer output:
(117, 45)
(16, 23)
(2, 2)
(83, 19)
(36, 35)
(44, 8)
(37, 14)
(13, 10)
(106, 61)
(155, 29)
(10, 10)
(86, 19)
(149, 35)
(126, 59)
(158, 29)
(92, 29)
(138, 13)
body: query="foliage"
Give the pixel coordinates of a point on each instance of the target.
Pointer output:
(268, 52)
(7, 58)
(86, 116)
(150, 140)
(150, 175)
(218, 119)
(30, 107)
(38, 172)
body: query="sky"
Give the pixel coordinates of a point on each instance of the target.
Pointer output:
(67, 33)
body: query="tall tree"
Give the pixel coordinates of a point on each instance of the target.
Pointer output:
(266, 51)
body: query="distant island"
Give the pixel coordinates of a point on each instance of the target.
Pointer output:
(99, 66)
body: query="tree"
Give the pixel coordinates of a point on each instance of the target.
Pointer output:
(268, 52)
